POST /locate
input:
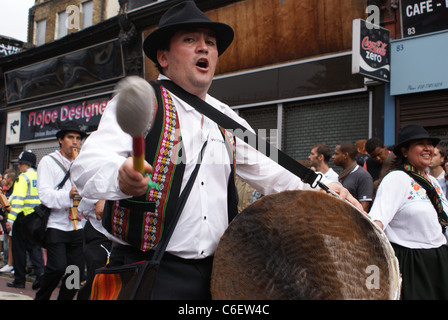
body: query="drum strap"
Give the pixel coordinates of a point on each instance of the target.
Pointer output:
(305, 174)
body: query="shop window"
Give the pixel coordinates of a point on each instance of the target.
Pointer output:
(74, 70)
(329, 121)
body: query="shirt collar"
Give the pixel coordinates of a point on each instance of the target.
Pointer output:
(63, 159)
(186, 105)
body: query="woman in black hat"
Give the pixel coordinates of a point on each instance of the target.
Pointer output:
(411, 209)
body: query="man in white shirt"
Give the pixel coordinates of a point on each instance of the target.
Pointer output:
(185, 49)
(436, 168)
(63, 242)
(319, 157)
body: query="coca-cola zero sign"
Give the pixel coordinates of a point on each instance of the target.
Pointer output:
(371, 50)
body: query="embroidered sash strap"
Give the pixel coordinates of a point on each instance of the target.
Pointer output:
(140, 221)
(430, 191)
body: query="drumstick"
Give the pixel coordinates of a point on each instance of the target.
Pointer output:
(136, 108)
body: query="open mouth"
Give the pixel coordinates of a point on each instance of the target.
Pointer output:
(202, 63)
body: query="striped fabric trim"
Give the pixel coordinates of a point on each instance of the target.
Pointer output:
(120, 222)
(150, 226)
(163, 172)
(106, 287)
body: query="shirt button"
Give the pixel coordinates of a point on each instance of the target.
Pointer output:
(202, 183)
(205, 217)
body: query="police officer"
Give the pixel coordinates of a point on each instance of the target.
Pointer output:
(23, 200)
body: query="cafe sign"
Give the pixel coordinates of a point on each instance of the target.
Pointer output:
(423, 16)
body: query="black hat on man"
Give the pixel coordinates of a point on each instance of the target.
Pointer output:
(70, 126)
(28, 157)
(186, 15)
(411, 133)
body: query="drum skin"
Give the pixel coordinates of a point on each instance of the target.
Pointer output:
(303, 245)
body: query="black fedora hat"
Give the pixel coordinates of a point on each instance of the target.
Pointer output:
(184, 15)
(410, 133)
(70, 126)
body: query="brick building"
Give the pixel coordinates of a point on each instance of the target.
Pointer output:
(51, 20)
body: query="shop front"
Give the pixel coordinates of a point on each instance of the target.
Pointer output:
(419, 82)
(45, 95)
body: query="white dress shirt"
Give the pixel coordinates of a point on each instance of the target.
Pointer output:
(205, 216)
(86, 210)
(49, 175)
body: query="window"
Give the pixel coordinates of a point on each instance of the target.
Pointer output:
(61, 27)
(87, 14)
(73, 70)
(39, 35)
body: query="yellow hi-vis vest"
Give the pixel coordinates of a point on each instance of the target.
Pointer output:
(24, 196)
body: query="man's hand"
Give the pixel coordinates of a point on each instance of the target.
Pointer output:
(344, 194)
(73, 193)
(132, 182)
(99, 207)
(8, 226)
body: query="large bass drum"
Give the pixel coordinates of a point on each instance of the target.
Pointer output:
(304, 245)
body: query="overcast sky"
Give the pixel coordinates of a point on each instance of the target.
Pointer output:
(14, 18)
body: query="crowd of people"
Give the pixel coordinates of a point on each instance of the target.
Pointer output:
(394, 187)
(403, 189)
(69, 234)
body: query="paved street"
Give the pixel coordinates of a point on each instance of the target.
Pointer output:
(7, 293)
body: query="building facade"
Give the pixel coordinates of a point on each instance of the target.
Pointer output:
(418, 90)
(288, 71)
(52, 20)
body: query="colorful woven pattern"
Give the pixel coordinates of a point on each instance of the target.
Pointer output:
(163, 171)
(433, 194)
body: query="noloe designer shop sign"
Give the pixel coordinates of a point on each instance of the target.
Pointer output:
(45, 122)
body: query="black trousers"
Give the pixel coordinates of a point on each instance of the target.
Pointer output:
(95, 256)
(177, 278)
(64, 248)
(20, 247)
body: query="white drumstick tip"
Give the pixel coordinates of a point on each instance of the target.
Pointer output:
(136, 105)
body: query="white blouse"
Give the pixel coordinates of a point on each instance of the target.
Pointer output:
(408, 216)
